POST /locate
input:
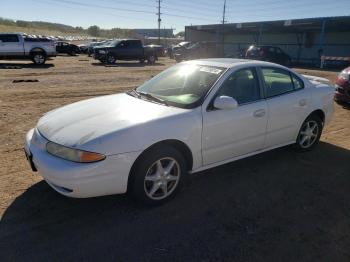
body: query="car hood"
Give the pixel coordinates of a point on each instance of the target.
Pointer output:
(80, 123)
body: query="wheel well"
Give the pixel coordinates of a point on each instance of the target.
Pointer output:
(180, 146)
(319, 113)
(36, 50)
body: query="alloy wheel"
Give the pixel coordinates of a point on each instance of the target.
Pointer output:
(308, 134)
(39, 58)
(162, 178)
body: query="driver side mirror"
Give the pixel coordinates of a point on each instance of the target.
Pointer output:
(225, 103)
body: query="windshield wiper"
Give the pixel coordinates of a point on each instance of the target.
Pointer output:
(134, 93)
(153, 97)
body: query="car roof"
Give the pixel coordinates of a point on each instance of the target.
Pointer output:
(231, 62)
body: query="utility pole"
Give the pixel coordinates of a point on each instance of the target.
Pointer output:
(159, 20)
(223, 28)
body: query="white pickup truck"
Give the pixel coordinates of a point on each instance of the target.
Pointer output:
(20, 46)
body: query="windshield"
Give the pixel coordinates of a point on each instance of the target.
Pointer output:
(183, 85)
(112, 43)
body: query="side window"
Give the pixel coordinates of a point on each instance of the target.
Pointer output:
(123, 44)
(298, 83)
(9, 38)
(277, 81)
(135, 44)
(242, 85)
(278, 50)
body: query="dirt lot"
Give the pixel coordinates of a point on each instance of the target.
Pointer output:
(276, 206)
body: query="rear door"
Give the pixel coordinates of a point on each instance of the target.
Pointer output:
(136, 49)
(287, 101)
(10, 45)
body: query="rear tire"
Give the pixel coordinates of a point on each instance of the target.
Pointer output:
(157, 176)
(309, 134)
(38, 58)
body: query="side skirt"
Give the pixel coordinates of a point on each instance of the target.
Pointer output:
(239, 157)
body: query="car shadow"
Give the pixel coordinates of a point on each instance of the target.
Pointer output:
(24, 65)
(126, 64)
(280, 204)
(344, 105)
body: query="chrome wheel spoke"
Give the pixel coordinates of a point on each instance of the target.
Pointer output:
(154, 189)
(160, 168)
(303, 140)
(152, 178)
(169, 167)
(171, 178)
(164, 187)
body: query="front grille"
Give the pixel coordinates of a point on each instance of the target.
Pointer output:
(340, 90)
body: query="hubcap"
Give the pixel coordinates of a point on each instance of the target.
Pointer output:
(308, 134)
(39, 59)
(162, 178)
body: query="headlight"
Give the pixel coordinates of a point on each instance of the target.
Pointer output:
(102, 52)
(72, 154)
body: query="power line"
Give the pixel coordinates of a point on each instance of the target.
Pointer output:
(159, 21)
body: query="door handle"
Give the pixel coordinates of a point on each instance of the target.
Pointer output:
(259, 113)
(302, 102)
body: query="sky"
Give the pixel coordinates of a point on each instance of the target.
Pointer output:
(175, 13)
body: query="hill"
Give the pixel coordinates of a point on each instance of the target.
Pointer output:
(47, 28)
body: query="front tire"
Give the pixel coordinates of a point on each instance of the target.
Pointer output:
(111, 59)
(157, 176)
(38, 58)
(309, 133)
(151, 59)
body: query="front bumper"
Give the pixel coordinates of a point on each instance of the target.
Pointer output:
(99, 56)
(80, 180)
(342, 94)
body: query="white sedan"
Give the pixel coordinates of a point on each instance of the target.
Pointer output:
(193, 116)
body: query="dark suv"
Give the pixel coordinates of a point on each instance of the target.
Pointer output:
(67, 48)
(125, 49)
(269, 54)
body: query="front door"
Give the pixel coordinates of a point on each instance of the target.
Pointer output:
(232, 133)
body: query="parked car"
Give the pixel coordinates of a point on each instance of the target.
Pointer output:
(193, 116)
(171, 50)
(92, 46)
(67, 48)
(19, 46)
(159, 49)
(83, 48)
(342, 86)
(126, 49)
(198, 50)
(269, 54)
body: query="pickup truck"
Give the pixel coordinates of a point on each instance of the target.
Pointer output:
(125, 49)
(20, 46)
